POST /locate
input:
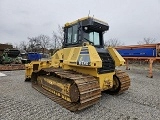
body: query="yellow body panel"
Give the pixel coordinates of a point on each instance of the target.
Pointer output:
(94, 57)
(71, 57)
(29, 68)
(119, 61)
(106, 80)
(56, 58)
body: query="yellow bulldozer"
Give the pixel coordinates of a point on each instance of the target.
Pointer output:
(78, 73)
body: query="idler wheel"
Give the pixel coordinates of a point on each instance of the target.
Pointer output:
(74, 93)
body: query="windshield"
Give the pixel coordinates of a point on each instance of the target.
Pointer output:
(93, 37)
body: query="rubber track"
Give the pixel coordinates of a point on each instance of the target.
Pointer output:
(88, 87)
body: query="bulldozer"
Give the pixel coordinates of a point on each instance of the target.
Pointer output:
(9, 60)
(9, 56)
(82, 69)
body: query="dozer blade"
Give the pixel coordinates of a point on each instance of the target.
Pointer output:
(84, 90)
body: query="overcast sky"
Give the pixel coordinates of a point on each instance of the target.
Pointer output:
(129, 20)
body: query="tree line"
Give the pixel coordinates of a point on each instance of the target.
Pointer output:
(43, 42)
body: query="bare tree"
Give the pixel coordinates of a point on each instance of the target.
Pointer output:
(147, 41)
(33, 44)
(44, 42)
(23, 45)
(113, 42)
(58, 38)
(41, 42)
(56, 43)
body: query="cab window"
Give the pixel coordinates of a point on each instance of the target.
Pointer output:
(72, 35)
(69, 36)
(94, 37)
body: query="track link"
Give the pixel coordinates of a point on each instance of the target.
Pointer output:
(122, 81)
(89, 90)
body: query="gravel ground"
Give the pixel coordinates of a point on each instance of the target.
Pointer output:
(18, 100)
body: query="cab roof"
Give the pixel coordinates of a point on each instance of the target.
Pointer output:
(85, 19)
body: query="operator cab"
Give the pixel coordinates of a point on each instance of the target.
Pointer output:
(84, 30)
